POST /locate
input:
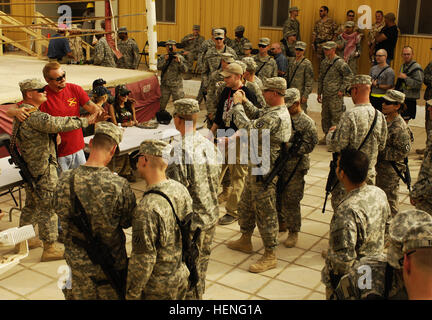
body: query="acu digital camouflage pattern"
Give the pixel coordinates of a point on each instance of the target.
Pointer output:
(156, 270)
(104, 56)
(109, 202)
(257, 205)
(422, 189)
(357, 229)
(130, 51)
(192, 45)
(352, 129)
(266, 67)
(300, 75)
(398, 146)
(38, 151)
(238, 46)
(172, 80)
(292, 25)
(337, 79)
(294, 191)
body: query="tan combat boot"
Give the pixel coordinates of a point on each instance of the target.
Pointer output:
(266, 262)
(291, 241)
(224, 194)
(52, 251)
(244, 244)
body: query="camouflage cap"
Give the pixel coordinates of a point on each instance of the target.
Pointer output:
(250, 63)
(349, 24)
(110, 129)
(227, 57)
(241, 64)
(239, 29)
(157, 148)
(301, 45)
(408, 230)
(171, 42)
(196, 27)
(122, 30)
(247, 46)
(293, 9)
(186, 106)
(277, 84)
(31, 84)
(292, 95)
(360, 79)
(290, 33)
(233, 68)
(394, 96)
(218, 33)
(264, 41)
(329, 45)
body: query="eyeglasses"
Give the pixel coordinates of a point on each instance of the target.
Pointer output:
(380, 55)
(401, 260)
(351, 15)
(262, 45)
(41, 90)
(60, 78)
(321, 10)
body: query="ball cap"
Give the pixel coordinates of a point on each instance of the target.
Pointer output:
(360, 79)
(186, 107)
(301, 45)
(239, 29)
(277, 84)
(292, 95)
(394, 96)
(264, 41)
(329, 45)
(157, 148)
(293, 9)
(219, 33)
(110, 129)
(31, 84)
(233, 68)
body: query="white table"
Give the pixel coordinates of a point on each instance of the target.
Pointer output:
(10, 179)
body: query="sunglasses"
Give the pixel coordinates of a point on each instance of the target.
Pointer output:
(60, 78)
(298, 49)
(219, 38)
(351, 16)
(388, 103)
(41, 90)
(262, 45)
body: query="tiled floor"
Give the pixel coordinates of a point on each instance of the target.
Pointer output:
(297, 275)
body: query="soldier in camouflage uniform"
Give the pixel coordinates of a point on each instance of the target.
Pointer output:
(197, 164)
(257, 205)
(172, 66)
(288, 43)
(358, 225)
(297, 166)
(247, 48)
(34, 138)
(334, 77)
(324, 30)
(292, 23)
(192, 44)
(228, 41)
(398, 146)
(353, 128)
(421, 194)
(266, 65)
(104, 55)
(239, 41)
(108, 201)
(300, 74)
(252, 82)
(156, 270)
(428, 95)
(349, 45)
(75, 44)
(129, 49)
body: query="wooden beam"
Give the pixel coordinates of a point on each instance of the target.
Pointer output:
(16, 44)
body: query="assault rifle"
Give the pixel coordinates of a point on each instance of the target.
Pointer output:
(332, 180)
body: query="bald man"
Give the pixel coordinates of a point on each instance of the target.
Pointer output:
(281, 60)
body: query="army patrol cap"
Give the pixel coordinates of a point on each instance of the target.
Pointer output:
(31, 84)
(360, 79)
(157, 148)
(301, 45)
(110, 129)
(186, 106)
(408, 230)
(239, 29)
(264, 41)
(292, 95)
(219, 34)
(329, 45)
(290, 33)
(250, 63)
(227, 57)
(233, 68)
(122, 30)
(394, 96)
(293, 9)
(196, 27)
(349, 24)
(277, 84)
(241, 64)
(247, 46)
(171, 42)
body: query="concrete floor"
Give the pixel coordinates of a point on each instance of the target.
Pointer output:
(297, 276)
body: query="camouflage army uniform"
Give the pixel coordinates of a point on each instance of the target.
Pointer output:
(129, 50)
(302, 79)
(288, 49)
(205, 45)
(171, 80)
(252, 86)
(109, 202)
(266, 67)
(257, 205)
(156, 270)
(75, 45)
(323, 32)
(357, 229)
(337, 79)
(428, 94)
(192, 45)
(292, 25)
(237, 45)
(104, 56)
(38, 149)
(350, 133)
(398, 146)
(293, 193)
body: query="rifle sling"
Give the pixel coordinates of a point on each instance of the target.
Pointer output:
(167, 199)
(398, 172)
(329, 67)
(294, 73)
(256, 73)
(381, 72)
(171, 58)
(388, 281)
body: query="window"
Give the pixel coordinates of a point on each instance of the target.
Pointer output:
(165, 10)
(415, 17)
(6, 8)
(274, 13)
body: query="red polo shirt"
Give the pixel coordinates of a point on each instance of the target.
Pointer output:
(66, 103)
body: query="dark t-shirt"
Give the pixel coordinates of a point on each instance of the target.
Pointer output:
(390, 43)
(58, 48)
(226, 102)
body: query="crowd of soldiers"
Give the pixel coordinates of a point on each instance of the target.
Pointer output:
(243, 94)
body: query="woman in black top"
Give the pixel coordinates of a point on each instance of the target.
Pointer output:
(123, 109)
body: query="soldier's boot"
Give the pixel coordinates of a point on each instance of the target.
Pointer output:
(224, 194)
(33, 243)
(291, 241)
(283, 226)
(51, 252)
(244, 244)
(266, 262)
